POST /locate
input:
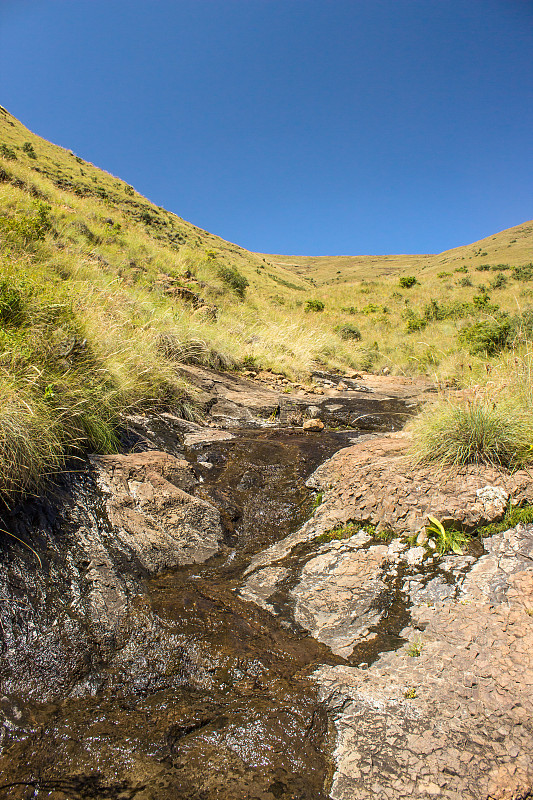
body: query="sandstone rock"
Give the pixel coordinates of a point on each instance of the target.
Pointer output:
(422, 538)
(159, 523)
(313, 425)
(393, 494)
(456, 720)
(335, 597)
(415, 555)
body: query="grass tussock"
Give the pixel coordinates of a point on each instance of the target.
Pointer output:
(473, 430)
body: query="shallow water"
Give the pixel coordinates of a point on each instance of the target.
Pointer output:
(209, 695)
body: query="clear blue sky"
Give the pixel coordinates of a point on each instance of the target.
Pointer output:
(291, 126)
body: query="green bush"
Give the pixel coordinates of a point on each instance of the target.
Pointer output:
(314, 305)
(464, 269)
(523, 273)
(487, 336)
(414, 322)
(22, 229)
(483, 268)
(371, 308)
(435, 311)
(406, 281)
(348, 331)
(499, 281)
(7, 152)
(28, 149)
(129, 190)
(465, 282)
(233, 278)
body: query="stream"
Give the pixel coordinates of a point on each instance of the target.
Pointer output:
(206, 696)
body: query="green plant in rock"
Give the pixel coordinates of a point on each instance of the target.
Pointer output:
(343, 532)
(514, 515)
(446, 540)
(414, 648)
(475, 431)
(410, 694)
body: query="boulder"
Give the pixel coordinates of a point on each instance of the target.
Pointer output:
(313, 425)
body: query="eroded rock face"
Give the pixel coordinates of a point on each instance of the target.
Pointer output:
(151, 512)
(447, 709)
(456, 720)
(334, 598)
(133, 517)
(374, 482)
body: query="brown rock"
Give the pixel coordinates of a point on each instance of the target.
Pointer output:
(313, 425)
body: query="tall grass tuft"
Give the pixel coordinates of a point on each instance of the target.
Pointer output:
(477, 430)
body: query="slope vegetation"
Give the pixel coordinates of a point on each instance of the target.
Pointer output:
(102, 293)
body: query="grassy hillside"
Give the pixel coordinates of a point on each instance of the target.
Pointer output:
(102, 293)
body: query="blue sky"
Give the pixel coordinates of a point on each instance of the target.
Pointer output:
(311, 127)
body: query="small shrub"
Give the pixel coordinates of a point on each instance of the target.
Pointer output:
(348, 331)
(233, 278)
(413, 321)
(406, 281)
(129, 190)
(487, 336)
(483, 268)
(28, 149)
(443, 274)
(523, 273)
(499, 281)
(465, 282)
(482, 300)
(371, 308)
(211, 255)
(7, 152)
(464, 269)
(22, 229)
(349, 310)
(314, 305)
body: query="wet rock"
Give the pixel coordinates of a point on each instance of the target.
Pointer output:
(335, 596)
(453, 718)
(152, 515)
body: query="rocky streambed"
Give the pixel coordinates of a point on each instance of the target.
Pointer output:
(185, 624)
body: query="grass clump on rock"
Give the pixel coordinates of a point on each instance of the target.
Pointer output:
(473, 431)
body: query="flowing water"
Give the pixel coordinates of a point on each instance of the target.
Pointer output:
(209, 696)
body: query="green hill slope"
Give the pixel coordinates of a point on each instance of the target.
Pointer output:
(102, 293)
